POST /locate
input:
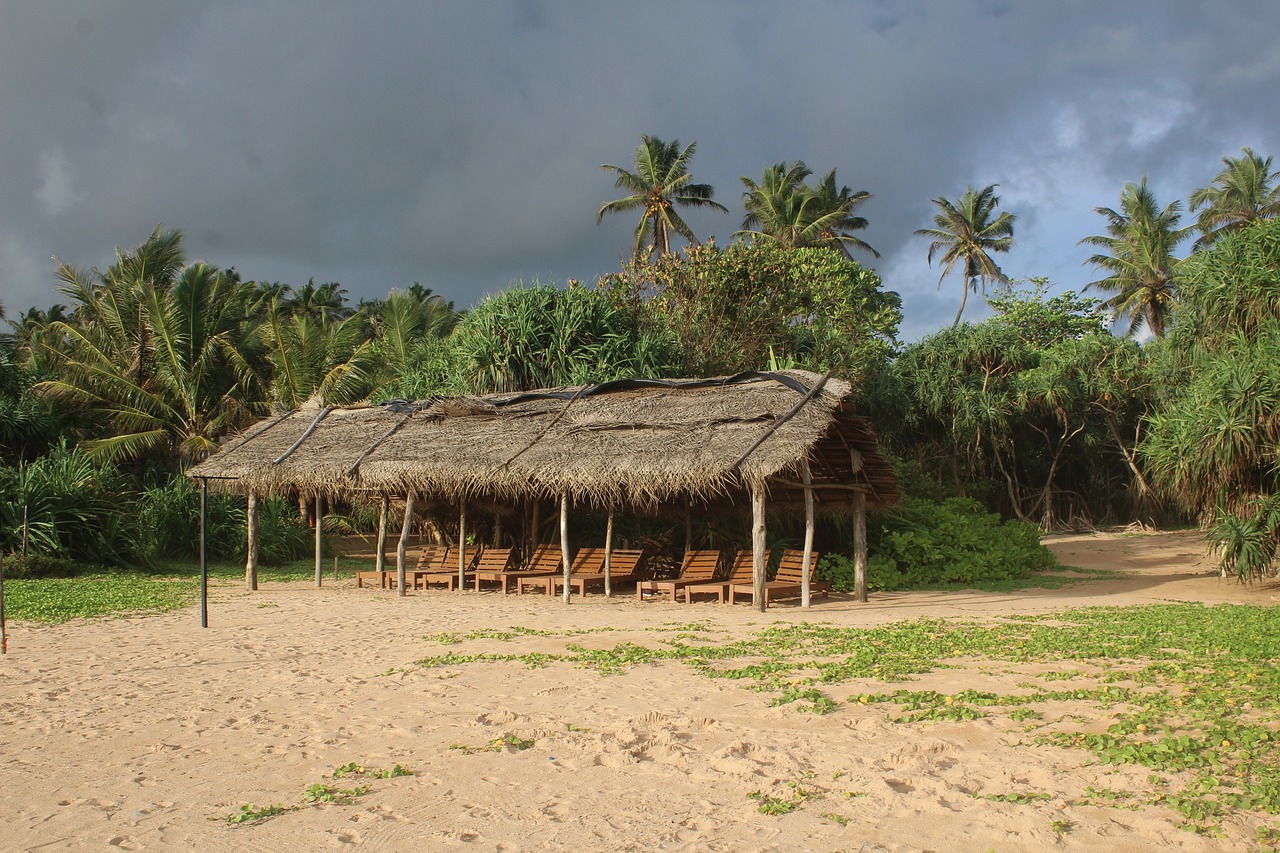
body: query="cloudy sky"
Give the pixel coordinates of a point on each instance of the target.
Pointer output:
(458, 144)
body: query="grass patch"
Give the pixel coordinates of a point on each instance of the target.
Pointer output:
(129, 592)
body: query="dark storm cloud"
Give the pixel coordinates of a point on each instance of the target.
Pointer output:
(458, 144)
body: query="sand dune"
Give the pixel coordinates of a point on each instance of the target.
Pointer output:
(145, 733)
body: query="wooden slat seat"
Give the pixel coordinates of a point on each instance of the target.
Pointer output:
(697, 567)
(742, 571)
(787, 582)
(544, 562)
(587, 570)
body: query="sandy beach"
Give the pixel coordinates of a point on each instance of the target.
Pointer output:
(146, 733)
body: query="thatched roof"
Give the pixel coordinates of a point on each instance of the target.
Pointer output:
(641, 442)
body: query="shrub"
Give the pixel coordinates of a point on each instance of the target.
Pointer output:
(952, 543)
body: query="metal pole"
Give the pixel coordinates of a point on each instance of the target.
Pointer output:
(204, 553)
(4, 633)
(26, 529)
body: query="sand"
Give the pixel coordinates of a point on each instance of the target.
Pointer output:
(144, 733)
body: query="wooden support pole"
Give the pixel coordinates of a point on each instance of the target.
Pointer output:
(319, 535)
(535, 525)
(204, 552)
(564, 545)
(688, 525)
(860, 546)
(251, 560)
(462, 549)
(403, 544)
(807, 476)
(757, 546)
(608, 555)
(380, 559)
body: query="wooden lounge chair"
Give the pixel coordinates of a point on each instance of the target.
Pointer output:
(387, 577)
(588, 570)
(697, 567)
(787, 582)
(544, 563)
(742, 571)
(588, 561)
(443, 569)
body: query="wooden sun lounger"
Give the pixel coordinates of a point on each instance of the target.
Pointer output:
(787, 582)
(544, 563)
(443, 569)
(387, 577)
(697, 567)
(743, 571)
(588, 570)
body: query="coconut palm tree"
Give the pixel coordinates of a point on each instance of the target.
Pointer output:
(966, 233)
(784, 210)
(165, 364)
(660, 183)
(1139, 245)
(1244, 191)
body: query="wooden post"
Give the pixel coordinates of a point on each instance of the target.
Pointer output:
(404, 542)
(535, 524)
(688, 525)
(807, 477)
(251, 561)
(860, 546)
(757, 546)
(564, 544)
(380, 559)
(319, 531)
(462, 548)
(608, 556)
(204, 552)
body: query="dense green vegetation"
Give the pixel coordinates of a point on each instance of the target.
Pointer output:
(1040, 415)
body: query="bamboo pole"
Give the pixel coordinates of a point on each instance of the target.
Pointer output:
(564, 545)
(860, 546)
(807, 476)
(403, 544)
(462, 548)
(319, 534)
(757, 546)
(608, 556)
(204, 552)
(380, 559)
(251, 561)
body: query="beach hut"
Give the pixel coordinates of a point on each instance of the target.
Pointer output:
(790, 438)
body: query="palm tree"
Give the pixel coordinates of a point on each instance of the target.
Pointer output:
(326, 358)
(162, 358)
(1243, 192)
(1139, 246)
(784, 210)
(660, 183)
(968, 234)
